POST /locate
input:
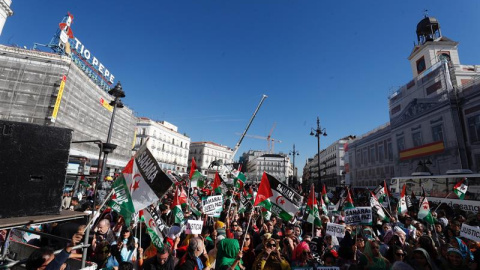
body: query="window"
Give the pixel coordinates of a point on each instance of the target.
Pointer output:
(474, 128)
(364, 156)
(400, 143)
(417, 139)
(437, 133)
(390, 151)
(372, 154)
(381, 155)
(421, 65)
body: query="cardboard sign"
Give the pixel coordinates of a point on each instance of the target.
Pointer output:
(470, 232)
(337, 230)
(358, 215)
(213, 205)
(194, 226)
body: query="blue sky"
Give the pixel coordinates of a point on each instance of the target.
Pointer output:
(203, 65)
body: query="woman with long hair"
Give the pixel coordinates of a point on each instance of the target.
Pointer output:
(127, 245)
(248, 251)
(270, 258)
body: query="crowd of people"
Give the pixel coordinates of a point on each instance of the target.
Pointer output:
(254, 239)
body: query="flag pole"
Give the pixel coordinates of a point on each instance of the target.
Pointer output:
(313, 200)
(248, 225)
(92, 219)
(442, 202)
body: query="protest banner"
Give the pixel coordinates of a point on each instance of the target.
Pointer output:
(194, 226)
(337, 230)
(327, 268)
(358, 215)
(470, 232)
(464, 205)
(212, 205)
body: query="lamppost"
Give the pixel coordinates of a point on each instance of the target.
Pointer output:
(317, 133)
(294, 153)
(108, 147)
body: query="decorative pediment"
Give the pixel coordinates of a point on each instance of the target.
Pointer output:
(414, 109)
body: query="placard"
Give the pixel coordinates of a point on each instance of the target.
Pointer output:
(470, 232)
(337, 230)
(194, 226)
(358, 215)
(213, 205)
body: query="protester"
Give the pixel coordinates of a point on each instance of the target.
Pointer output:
(163, 260)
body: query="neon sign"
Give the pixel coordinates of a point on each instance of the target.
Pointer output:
(82, 56)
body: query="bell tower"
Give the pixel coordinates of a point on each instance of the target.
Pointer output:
(432, 47)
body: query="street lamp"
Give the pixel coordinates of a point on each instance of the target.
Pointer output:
(317, 133)
(108, 147)
(294, 153)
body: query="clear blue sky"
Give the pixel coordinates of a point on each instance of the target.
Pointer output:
(203, 65)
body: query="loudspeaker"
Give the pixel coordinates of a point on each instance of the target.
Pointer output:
(33, 166)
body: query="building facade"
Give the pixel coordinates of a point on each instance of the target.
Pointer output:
(210, 157)
(49, 89)
(434, 118)
(5, 12)
(370, 158)
(169, 147)
(332, 165)
(277, 165)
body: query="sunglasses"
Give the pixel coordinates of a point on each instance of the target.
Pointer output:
(246, 239)
(400, 254)
(235, 225)
(271, 245)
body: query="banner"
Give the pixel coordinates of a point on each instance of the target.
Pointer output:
(358, 215)
(194, 226)
(316, 268)
(470, 232)
(465, 205)
(161, 225)
(212, 205)
(337, 230)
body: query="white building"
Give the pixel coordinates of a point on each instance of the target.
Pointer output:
(277, 165)
(5, 12)
(205, 153)
(168, 146)
(332, 165)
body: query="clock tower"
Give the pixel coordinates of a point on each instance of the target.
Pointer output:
(431, 47)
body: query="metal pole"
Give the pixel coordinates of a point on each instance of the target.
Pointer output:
(318, 151)
(109, 137)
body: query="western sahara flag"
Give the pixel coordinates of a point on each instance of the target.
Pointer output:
(424, 212)
(145, 179)
(284, 201)
(198, 180)
(121, 201)
(152, 228)
(402, 203)
(377, 207)
(461, 188)
(312, 206)
(193, 168)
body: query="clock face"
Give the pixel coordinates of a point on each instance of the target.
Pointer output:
(420, 65)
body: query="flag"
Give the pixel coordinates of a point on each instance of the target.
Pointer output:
(198, 180)
(121, 201)
(152, 228)
(380, 193)
(284, 201)
(312, 207)
(145, 179)
(348, 202)
(193, 168)
(424, 212)
(461, 188)
(387, 192)
(324, 206)
(377, 207)
(324, 195)
(402, 203)
(177, 206)
(240, 180)
(216, 184)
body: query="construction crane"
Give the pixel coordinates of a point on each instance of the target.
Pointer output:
(270, 141)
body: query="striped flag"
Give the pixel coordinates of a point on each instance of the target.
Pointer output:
(402, 203)
(461, 188)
